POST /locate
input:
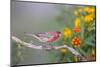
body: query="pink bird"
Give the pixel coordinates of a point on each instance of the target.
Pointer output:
(47, 37)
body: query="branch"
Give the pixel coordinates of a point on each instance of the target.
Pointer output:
(26, 44)
(33, 46)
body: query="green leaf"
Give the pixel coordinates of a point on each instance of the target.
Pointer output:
(88, 41)
(81, 51)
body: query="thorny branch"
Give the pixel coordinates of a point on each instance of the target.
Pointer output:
(33, 46)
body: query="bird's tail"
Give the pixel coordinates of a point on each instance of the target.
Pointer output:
(34, 35)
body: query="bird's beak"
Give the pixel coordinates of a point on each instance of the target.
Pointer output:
(60, 34)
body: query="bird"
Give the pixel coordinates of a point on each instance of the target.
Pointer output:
(46, 37)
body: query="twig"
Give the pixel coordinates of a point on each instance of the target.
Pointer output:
(26, 44)
(33, 46)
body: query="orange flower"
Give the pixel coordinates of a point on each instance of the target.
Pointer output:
(77, 30)
(76, 41)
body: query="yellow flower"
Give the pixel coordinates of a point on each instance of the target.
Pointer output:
(86, 8)
(80, 9)
(88, 18)
(92, 10)
(77, 22)
(76, 59)
(89, 9)
(67, 33)
(93, 52)
(91, 14)
(63, 50)
(76, 12)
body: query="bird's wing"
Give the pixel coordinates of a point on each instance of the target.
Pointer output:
(40, 37)
(44, 35)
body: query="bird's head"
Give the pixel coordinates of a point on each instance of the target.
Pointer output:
(58, 32)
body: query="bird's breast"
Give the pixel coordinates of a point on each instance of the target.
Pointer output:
(53, 38)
